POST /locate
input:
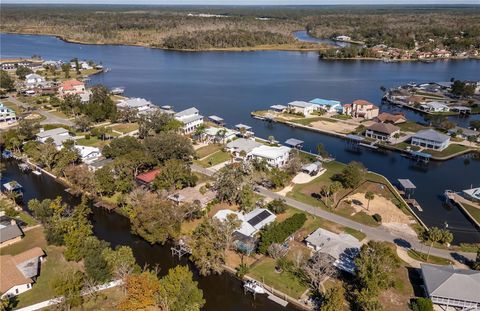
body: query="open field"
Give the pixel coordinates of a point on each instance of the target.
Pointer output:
(214, 159)
(475, 212)
(207, 150)
(450, 150)
(124, 127)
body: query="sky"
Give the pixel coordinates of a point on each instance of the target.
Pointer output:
(250, 2)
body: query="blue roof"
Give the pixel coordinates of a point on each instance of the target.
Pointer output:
(325, 102)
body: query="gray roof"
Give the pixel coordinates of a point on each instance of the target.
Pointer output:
(10, 232)
(240, 126)
(191, 118)
(52, 132)
(186, 112)
(243, 144)
(332, 243)
(100, 163)
(300, 104)
(449, 282)
(406, 184)
(293, 142)
(215, 118)
(432, 135)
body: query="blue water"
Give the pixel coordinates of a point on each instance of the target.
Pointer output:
(232, 84)
(303, 36)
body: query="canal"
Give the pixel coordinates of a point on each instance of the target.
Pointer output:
(232, 84)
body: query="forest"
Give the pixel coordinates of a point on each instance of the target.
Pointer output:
(223, 27)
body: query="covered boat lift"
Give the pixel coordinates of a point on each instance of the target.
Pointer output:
(294, 143)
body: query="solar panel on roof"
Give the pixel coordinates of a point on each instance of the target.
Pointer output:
(259, 218)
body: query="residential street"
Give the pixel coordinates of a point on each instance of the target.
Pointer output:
(49, 117)
(373, 233)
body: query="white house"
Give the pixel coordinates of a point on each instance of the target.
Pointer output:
(19, 272)
(140, 104)
(219, 134)
(430, 139)
(7, 114)
(87, 153)
(58, 135)
(328, 105)
(242, 146)
(302, 107)
(32, 80)
(274, 156)
(435, 107)
(190, 118)
(252, 222)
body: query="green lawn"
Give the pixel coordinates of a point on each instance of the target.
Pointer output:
(214, 159)
(342, 117)
(285, 282)
(207, 150)
(472, 210)
(92, 141)
(411, 126)
(32, 238)
(450, 150)
(12, 106)
(125, 127)
(431, 259)
(59, 114)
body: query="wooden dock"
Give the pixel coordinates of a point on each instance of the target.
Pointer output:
(415, 204)
(459, 200)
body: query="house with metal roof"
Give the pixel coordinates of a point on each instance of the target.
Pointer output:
(7, 114)
(435, 107)
(138, 104)
(302, 107)
(190, 118)
(382, 131)
(242, 146)
(450, 287)
(430, 139)
(219, 135)
(251, 222)
(274, 156)
(10, 232)
(328, 105)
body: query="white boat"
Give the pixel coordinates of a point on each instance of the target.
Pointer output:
(117, 90)
(254, 287)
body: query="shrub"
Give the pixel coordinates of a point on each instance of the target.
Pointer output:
(278, 232)
(242, 270)
(377, 217)
(277, 206)
(422, 304)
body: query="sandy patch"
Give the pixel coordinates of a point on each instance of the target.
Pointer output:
(304, 178)
(285, 190)
(33, 116)
(401, 228)
(379, 205)
(337, 127)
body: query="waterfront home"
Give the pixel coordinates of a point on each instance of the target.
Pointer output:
(32, 80)
(71, 87)
(382, 131)
(19, 272)
(58, 135)
(87, 153)
(252, 222)
(7, 114)
(464, 133)
(193, 195)
(452, 288)
(386, 117)
(242, 147)
(11, 64)
(342, 247)
(274, 156)
(434, 107)
(430, 139)
(190, 118)
(343, 38)
(10, 232)
(361, 109)
(278, 108)
(328, 105)
(141, 105)
(219, 135)
(97, 164)
(301, 107)
(145, 179)
(472, 194)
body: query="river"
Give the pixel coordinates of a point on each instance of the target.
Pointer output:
(232, 84)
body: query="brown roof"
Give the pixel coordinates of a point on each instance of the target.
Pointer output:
(385, 116)
(69, 84)
(385, 128)
(10, 275)
(148, 177)
(362, 102)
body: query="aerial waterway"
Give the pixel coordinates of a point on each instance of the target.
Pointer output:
(232, 84)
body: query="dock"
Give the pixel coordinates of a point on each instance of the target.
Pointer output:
(180, 249)
(458, 200)
(415, 204)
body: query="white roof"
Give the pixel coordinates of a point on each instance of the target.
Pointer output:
(134, 103)
(300, 104)
(52, 132)
(86, 150)
(191, 118)
(251, 222)
(245, 227)
(332, 243)
(436, 105)
(33, 76)
(243, 144)
(213, 131)
(270, 152)
(187, 112)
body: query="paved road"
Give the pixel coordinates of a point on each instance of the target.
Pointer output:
(49, 117)
(372, 233)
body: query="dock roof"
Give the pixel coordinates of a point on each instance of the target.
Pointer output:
(355, 137)
(240, 126)
(293, 142)
(406, 184)
(215, 118)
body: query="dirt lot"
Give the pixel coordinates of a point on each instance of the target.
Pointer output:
(379, 205)
(337, 127)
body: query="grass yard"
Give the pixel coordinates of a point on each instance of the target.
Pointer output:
(214, 159)
(125, 127)
(107, 300)
(285, 282)
(34, 237)
(472, 210)
(207, 150)
(411, 126)
(9, 104)
(59, 114)
(341, 117)
(92, 142)
(431, 259)
(308, 121)
(450, 150)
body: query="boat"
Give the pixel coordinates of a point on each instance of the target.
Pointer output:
(117, 90)
(7, 154)
(254, 287)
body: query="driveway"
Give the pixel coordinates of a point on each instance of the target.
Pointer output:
(49, 117)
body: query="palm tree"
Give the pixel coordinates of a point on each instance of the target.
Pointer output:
(433, 235)
(369, 196)
(271, 139)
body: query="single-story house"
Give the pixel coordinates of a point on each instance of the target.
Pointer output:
(139, 104)
(219, 134)
(386, 117)
(430, 139)
(464, 133)
(19, 272)
(450, 287)
(312, 168)
(87, 153)
(274, 156)
(146, 178)
(278, 108)
(435, 107)
(190, 118)
(58, 135)
(242, 146)
(361, 109)
(251, 222)
(327, 104)
(33, 79)
(343, 247)
(302, 107)
(10, 232)
(382, 131)
(192, 194)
